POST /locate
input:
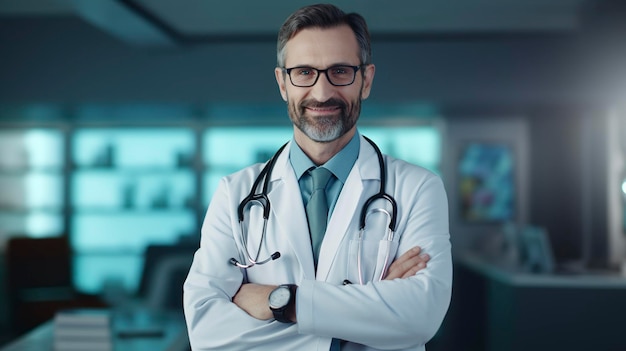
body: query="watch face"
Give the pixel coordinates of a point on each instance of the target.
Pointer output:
(279, 297)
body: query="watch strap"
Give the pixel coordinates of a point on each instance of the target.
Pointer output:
(280, 314)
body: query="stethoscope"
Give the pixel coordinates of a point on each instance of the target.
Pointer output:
(254, 198)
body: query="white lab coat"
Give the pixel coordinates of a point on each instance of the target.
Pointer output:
(402, 314)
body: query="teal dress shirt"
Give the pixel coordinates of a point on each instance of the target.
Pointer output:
(340, 166)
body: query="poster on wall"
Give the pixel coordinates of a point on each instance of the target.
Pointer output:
(486, 182)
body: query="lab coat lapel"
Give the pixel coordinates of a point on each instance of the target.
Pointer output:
(288, 211)
(348, 207)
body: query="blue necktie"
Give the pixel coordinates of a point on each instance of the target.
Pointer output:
(317, 209)
(317, 213)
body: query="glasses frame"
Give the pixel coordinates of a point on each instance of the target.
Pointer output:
(319, 73)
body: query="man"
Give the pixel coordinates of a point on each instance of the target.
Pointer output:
(332, 287)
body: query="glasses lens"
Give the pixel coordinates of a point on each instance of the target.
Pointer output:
(341, 75)
(303, 76)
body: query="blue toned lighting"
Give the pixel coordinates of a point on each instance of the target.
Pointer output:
(44, 147)
(420, 145)
(36, 224)
(33, 186)
(31, 149)
(229, 149)
(92, 272)
(131, 187)
(237, 147)
(145, 147)
(129, 232)
(170, 189)
(44, 190)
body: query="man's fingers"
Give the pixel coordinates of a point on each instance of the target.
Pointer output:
(418, 267)
(415, 263)
(408, 264)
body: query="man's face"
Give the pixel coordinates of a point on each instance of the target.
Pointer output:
(324, 112)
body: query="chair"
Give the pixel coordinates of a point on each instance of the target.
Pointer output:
(39, 281)
(164, 272)
(166, 284)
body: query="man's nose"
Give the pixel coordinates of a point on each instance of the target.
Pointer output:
(322, 90)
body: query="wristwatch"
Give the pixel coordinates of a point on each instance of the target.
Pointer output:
(280, 299)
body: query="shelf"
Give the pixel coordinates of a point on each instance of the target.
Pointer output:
(105, 253)
(30, 170)
(82, 210)
(220, 171)
(32, 210)
(150, 170)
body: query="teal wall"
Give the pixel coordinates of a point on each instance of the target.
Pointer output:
(66, 60)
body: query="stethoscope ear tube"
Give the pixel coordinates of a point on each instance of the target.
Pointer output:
(394, 211)
(262, 199)
(234, 261)
(253, 196)
(381, 192)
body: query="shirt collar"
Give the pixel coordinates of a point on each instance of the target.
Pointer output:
(340, 164)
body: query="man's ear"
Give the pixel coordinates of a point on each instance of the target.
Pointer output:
(368, 78)
(280, 79)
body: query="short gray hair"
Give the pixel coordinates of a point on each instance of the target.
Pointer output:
(324, 16)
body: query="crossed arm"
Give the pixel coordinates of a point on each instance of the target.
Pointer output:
(253, 298)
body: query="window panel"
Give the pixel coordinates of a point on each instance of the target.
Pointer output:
(34, 224)
(95, 271)
(31, 182)
(31, 149)
(140, 190)
(131, 187)
(98, 231)
(133, 147)
(229, 149)
(31, 190)
(420, 145)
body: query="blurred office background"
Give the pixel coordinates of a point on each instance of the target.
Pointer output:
(117, 119)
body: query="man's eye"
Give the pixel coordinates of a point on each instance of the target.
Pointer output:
(342, 72)
(303, 71)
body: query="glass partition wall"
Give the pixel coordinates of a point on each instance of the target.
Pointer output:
(31, 182)
(116, 189)
(130, 187)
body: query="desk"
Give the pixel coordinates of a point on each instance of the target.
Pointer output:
(495, 309)
(173, 338)
(508, 276)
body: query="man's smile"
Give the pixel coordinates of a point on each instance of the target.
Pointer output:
(323, 111)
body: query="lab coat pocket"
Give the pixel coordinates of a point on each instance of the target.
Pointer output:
(375, 257)
(386, 253)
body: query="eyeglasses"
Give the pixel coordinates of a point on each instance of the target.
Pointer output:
(305, 77)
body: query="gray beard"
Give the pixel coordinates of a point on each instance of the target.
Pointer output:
(325, 129)
(332, 130)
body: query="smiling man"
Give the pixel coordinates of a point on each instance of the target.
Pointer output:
(329, 245)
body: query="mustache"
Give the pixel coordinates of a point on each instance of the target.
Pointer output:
(328, 103)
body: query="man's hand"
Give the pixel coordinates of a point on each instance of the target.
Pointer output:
(408, 264)
(253, 298)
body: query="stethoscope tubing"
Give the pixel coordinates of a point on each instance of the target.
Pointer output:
(381, 192)
(389, 238)
(263, 200)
